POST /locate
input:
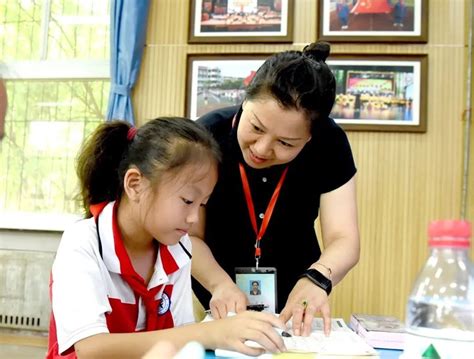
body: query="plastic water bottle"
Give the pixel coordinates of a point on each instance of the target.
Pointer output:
(440, 311)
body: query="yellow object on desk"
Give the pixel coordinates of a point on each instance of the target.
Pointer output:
(294, 356)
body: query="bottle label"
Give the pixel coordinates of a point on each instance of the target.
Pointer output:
(418, 346)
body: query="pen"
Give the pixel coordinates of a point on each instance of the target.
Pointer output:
(257, 307)
(283, 333)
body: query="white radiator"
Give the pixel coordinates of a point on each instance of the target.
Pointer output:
(24, 289)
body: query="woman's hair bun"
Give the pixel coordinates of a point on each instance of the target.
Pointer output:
(318, 51)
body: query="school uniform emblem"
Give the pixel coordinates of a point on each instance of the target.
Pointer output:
(165, 303)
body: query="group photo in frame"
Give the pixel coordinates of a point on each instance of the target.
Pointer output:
(380, 92)
(240, 21)
(217, 81)
(373, 20)
(373, 92)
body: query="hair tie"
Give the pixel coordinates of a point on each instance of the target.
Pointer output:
(132, 131)
(315, 61)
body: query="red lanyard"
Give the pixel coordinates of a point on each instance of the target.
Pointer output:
(268, 212)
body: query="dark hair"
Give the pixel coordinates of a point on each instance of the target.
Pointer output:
(298, 80)
(160, 145)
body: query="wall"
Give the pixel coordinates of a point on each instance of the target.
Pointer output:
(470, 158)
(26, 258)
(404, 179)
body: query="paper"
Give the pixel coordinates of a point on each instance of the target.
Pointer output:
(341, 342)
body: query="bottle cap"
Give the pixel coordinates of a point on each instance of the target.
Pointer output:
(449, 233)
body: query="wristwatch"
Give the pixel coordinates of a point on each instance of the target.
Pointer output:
(319, 279)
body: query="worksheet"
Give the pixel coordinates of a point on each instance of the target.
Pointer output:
(341, 342)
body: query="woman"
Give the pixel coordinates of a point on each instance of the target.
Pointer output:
(281, 143)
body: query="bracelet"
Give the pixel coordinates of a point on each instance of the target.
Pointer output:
(325, 267)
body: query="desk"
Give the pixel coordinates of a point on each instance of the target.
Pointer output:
(389, 353)
(28, 345)
(383, 354)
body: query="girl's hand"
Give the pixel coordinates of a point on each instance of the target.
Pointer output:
(227, 297)
(231, 333)
(161, 350)
(305, 300)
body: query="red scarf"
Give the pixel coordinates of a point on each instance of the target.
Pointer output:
(154, 320)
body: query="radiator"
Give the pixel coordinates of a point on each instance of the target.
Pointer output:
(24, 289)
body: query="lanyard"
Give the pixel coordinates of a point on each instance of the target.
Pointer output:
(268, 212)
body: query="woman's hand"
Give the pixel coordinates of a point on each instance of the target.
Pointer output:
(227, 297)
(340, 234)
(305, 300)
(231, 333)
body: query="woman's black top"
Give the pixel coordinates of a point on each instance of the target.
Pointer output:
(290, 242)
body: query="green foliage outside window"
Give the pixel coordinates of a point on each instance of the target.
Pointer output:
(48, 118)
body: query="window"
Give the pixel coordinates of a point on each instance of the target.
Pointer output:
(55, 66)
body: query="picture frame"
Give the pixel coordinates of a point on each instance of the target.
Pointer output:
(241, 21)
(380, 92)
(217, 81)
(373, 21)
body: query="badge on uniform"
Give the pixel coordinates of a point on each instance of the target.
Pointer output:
(260, 286)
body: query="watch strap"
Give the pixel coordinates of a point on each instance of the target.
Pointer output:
(319, 279)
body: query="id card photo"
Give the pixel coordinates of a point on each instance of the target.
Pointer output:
(259, 285)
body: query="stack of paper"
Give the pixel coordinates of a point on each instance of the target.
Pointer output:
(379, 331)
(342, 342)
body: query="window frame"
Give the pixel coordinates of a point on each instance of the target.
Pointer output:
(44, 69)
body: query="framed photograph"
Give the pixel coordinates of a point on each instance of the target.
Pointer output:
(224, 21)
(216, 81)
(373, 20)
(380, 93)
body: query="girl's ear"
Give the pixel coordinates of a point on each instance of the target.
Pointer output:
(133, 184)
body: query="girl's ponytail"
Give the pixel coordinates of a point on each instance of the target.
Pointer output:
(98, 163)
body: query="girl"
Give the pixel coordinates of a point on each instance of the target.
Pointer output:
(121, 280)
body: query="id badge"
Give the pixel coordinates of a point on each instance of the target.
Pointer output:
(259, 285)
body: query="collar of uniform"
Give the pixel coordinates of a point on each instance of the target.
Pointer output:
(116, 259)
(170, 260)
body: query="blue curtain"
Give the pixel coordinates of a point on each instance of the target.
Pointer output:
(128, 23)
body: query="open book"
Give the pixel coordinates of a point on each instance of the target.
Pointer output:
(342, 342)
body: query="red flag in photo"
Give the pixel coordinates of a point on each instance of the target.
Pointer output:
(249, 78)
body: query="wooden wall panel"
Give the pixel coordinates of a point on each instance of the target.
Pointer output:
(470, 152)
(404, 179)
